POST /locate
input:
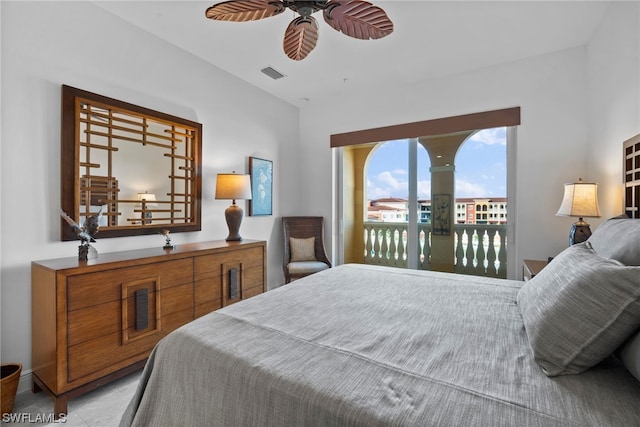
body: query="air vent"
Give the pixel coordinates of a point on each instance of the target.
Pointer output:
(273, 73)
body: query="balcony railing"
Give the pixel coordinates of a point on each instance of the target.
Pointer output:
(480, 249)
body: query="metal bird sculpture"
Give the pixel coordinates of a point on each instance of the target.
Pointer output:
(88, 230)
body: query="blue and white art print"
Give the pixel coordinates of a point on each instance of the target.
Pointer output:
(261, 171)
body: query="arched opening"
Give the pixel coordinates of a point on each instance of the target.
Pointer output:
(397, 214)
(481, 203)
(441, 243)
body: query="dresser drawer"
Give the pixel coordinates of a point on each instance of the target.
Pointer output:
(107, 352)
(89, 289)
(208, 295)
(225, 278)
(118, 315)
(208, 266)
(253, 278)
(97, 357)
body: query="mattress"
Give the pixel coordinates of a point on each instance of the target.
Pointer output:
(362, 345)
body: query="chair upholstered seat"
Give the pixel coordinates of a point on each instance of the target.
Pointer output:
(304, 251)
(304, 268)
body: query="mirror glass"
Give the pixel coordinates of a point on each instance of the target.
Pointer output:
(141, 169)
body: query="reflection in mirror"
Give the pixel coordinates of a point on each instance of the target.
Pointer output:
(140, 168)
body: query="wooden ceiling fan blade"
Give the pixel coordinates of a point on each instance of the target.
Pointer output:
(300, 38)
(244, 10)
(358, 19)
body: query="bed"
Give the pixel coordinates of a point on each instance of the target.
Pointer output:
(361, 345)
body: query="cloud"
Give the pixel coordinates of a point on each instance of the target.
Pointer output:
(387, 184)
(387, 177)
(490, 136)
(481, 170)
(470, 189)
(501, 166)
(374, 193)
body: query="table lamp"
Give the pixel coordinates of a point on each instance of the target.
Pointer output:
(232, 186)
(147, 200)
(580, 200)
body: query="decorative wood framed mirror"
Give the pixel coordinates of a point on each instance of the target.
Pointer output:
(141, 169)
(631, 167)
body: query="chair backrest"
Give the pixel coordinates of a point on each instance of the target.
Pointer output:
(302, 227)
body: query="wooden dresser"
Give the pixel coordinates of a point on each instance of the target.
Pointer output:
(96, 321)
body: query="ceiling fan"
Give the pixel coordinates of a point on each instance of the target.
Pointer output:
(355, 18)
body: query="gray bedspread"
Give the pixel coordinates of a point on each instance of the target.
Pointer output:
(369, 346)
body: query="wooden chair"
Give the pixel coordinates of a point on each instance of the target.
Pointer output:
(302, 254)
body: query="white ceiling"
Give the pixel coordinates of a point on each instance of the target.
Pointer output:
(430, 39)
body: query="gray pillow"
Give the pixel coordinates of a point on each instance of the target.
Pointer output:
(618, 238)
(629, 353)
(579, 309)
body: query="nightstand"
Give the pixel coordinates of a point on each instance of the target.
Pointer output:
(532, 267)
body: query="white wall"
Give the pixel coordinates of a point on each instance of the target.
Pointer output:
(578, 107)
(551, 141)
(614, 88)
(47, 44)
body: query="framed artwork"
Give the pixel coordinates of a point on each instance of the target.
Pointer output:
(441, 214)
(261, 172)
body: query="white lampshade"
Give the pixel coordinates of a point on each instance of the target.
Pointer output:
(231, 186)
(149, 199)
(580, 200)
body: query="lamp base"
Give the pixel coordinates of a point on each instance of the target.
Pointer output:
(233, 215)
(579, 232)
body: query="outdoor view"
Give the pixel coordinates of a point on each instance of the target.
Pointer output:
(481, 168)
(479, 201)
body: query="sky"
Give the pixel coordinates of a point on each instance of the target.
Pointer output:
(481, 168)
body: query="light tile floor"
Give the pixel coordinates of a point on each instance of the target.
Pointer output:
(102, 407)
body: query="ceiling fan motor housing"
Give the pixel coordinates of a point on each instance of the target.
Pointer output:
(305, 7)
